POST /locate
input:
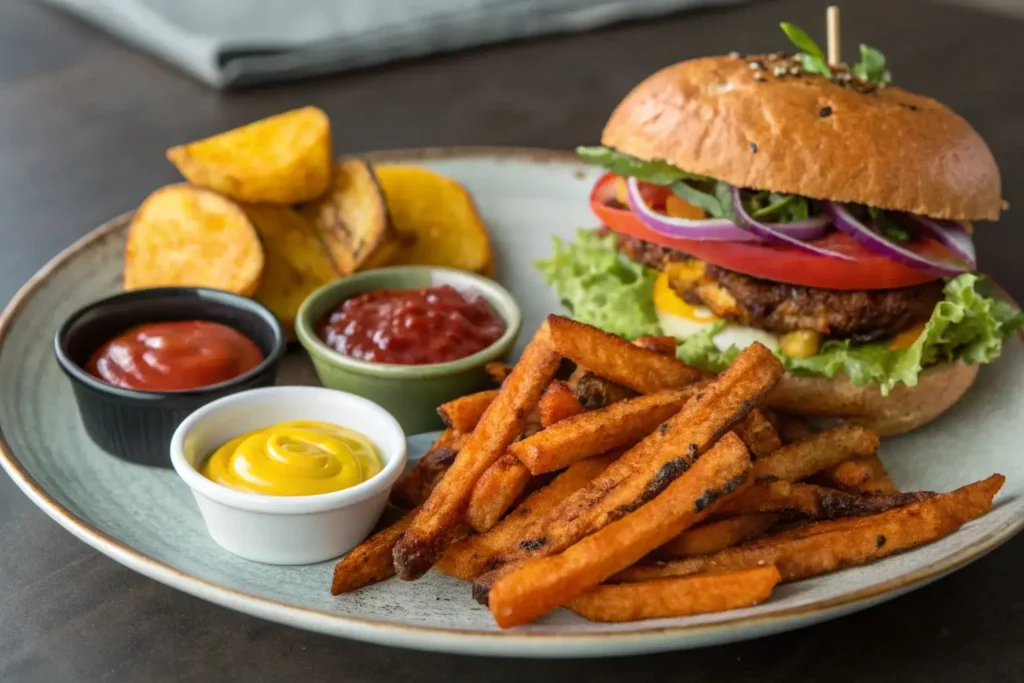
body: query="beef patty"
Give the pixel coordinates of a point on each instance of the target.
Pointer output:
(860, 315)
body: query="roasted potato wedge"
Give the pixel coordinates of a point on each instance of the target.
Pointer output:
(283, 159)
(352, 219)
(187, 236)
(296, 261)
(435, 218)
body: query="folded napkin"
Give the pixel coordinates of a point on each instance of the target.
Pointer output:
(229, 43)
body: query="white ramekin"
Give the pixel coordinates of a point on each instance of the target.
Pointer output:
(287, 529)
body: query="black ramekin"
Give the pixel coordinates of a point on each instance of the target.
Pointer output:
(137, 425)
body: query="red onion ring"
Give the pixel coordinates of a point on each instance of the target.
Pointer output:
(845, 221)
(950, 234)
(714, 229)
(771, 233)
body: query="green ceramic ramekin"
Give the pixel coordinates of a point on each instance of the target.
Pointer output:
(409, 392)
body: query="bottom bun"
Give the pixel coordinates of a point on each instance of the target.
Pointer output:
(904, 409)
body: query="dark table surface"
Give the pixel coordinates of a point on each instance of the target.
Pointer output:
(83, 126)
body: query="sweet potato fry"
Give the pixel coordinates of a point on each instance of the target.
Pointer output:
(497, 490)
(650, 466)
(842, 543)
(475, 555)
(415, 485)
(816, 502)
(434, 526)
(620, 424)
(498, 372)
(714, 536)
(616, 359)
(759, 435)
(662, 344)
(677, 597)
(793, 428)
(370, 561)
(543, 583)
(817, 452)
(557, 403)
(864, 475)
(462, 414)
(596, 392)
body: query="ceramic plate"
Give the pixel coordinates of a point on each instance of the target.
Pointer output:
(147, 520)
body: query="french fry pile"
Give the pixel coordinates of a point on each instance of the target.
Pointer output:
(675, 493)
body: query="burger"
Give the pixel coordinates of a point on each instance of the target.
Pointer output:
(815, 208)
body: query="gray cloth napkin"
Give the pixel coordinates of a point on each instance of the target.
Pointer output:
(229, 43)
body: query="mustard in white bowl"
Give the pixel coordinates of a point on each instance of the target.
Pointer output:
(289, 475)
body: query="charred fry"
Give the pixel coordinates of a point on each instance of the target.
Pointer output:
(370, 561)
(620, 424)
(827, 546)
(436, 522)
(616, 359)
(543, 583)
(415, 485)
(816, 502)
(474, 555)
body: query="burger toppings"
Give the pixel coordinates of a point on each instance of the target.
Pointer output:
(739, 215)
(601, 285)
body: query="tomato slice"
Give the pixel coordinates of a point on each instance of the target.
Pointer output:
(778, 263)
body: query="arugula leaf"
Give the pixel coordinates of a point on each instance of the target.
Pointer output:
(812, 58)
(776, 204)
(871, 67)
(698, 198)
(656, 172)
(600, 286)
(892, 230)
(802, 40)
(723, 191)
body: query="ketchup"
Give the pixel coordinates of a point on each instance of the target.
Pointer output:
(174, 356)
(412, 327)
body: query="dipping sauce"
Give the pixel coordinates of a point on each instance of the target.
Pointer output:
(412, 327)
(174, 356)
(302, 458)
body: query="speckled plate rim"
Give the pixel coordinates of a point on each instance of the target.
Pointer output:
(461, 641)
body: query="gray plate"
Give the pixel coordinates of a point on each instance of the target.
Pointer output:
(146, 519)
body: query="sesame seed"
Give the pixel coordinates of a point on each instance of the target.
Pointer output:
(825, 111)
(755, 65)
(795, 71)
(776, 55)
(760, 79)
(753, 147)
(779, 71)
(735, 55)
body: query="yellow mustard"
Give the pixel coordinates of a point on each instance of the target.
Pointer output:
(301, 458)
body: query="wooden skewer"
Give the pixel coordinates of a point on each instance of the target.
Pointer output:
(832, 29)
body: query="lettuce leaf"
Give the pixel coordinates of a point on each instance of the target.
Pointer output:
(601, 287)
